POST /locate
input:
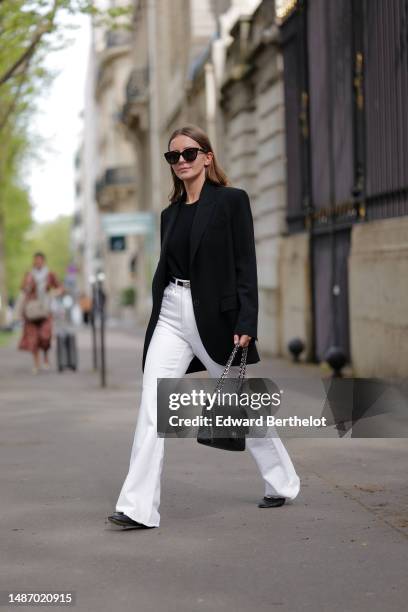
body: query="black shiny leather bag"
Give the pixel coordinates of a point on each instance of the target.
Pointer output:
(229, 437)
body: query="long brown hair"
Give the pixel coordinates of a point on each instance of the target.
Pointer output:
(213, 172)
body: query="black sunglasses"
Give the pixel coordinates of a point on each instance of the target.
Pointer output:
(189, 155)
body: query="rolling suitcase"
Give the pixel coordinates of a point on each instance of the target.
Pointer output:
(67, 356)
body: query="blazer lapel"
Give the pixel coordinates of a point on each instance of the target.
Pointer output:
(172, 216)
(202, 216)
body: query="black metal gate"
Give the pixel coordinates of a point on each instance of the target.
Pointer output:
(386, 109)
(346, 82)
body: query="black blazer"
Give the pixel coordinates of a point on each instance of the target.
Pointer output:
(223, 274)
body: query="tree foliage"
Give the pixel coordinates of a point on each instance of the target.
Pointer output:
(17, 222)
(15, 209)
(29, 30)
(53, 239)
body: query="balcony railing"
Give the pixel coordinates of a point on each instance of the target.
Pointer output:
(117, 38)
(121, 176)
(134, 111)
(137, 84)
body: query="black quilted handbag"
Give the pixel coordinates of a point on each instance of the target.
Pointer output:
(232, 437)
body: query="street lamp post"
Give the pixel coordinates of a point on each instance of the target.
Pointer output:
(100, 277)
(92, 281)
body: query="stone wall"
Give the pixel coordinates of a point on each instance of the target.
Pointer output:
(294, 284)
(378, 296)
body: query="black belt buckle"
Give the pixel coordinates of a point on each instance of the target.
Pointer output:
(176, 281)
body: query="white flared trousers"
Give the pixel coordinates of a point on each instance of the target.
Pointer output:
(173, 345)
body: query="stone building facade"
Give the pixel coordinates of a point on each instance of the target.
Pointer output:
(234, 67)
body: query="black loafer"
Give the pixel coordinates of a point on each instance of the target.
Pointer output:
(121, 519)
(271, 502)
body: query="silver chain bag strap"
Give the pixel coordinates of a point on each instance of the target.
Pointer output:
(234, 439)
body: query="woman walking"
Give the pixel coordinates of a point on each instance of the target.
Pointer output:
(36, 314)
(205, 300)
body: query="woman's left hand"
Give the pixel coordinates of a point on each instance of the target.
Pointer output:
(243, 340)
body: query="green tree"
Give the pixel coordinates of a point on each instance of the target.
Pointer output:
(17, 222)
(53, 239)
(29, 30)
(15, 209)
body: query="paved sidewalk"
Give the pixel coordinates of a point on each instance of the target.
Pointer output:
(64, 452)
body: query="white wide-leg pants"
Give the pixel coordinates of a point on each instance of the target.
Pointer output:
(174, 343)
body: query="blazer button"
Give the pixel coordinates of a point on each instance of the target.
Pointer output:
(196, 301)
